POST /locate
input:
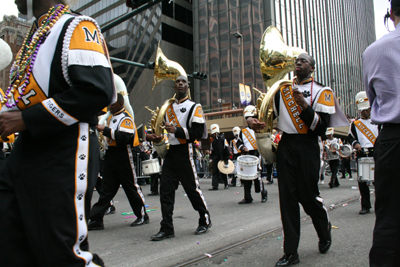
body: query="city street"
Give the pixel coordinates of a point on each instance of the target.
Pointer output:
(256, 226)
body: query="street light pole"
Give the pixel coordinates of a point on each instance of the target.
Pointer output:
(240, 36)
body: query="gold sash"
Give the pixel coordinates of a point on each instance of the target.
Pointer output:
(365, 131)
(251, 139)
(234, 144)
(293, 110)
(174, 121)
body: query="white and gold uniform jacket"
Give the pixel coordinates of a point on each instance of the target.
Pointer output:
(315, 118)
(364, 132)
(188, 118)
(71, 79)
(121, 130)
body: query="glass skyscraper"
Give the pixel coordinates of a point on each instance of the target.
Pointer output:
(334, 32)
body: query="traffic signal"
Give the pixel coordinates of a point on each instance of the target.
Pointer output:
(136, 3)
(199, 75)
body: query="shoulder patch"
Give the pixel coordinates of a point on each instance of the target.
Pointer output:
(199, 112)
(86, 36)
(127, 123)
(326, 98)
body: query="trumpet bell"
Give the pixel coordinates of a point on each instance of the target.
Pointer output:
(276, 58)
(165, 69)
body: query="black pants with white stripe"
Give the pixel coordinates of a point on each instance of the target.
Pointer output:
(119, 170)
(46, 187)
(178, 167)
(298, 165)
(386, 238)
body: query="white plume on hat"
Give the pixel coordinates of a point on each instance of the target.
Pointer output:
(69, 2)
(362, 101)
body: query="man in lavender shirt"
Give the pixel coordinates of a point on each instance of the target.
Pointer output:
(381, 62)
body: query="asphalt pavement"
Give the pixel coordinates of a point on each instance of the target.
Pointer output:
(242, 235)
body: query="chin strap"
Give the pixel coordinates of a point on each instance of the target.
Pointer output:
(29, 7)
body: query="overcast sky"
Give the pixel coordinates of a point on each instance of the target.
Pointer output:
(380, 7)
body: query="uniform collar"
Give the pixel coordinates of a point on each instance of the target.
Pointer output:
(119, 112)
(40, 20)
(182, 100)
(302, 82)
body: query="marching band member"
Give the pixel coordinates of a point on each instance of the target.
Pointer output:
(305, 111)
(119, 168)
(219, 150)
(236, 151)
(362, 136)
(60, 81)
(334, 144)
(185, 122)
(247, 144)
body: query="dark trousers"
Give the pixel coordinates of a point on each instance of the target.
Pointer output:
(346, 166)
(45, 192)
(298, 163)
(268, 167)
(334, 165)
(179, 167)
(258, 186)
(119, 170)
(217, 175)
(386, 238)
(365, 195)
(154, 182)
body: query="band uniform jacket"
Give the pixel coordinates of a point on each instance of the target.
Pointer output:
(57, 155)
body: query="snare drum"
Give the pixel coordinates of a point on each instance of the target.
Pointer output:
(247, 167)
(151, 166)
(366, 169)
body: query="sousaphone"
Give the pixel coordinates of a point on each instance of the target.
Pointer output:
(276, 61)
(164, 69)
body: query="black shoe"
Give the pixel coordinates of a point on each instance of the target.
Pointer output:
(202, 229)
(364, 211)
(153, 194)
(336, 185)
(140, 221)
(270, 182)
(324, 246)
(226, 187)
(110, 210)
(244, 201)
(232, 185)
(213, 189)
(95, 225)
(342, 177)
(161, 236)
(288, 260)
(330, 185)
(264, 196)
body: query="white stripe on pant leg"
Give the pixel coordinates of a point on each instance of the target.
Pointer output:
(196, 179)
(139, 191)
(320, 199)
(81, 182)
